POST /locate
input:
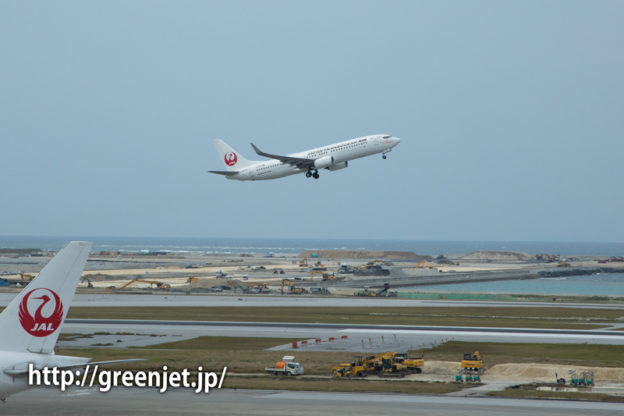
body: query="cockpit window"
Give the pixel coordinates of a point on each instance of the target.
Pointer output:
(385, 137)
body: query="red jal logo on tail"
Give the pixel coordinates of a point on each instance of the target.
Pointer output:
(230, 159)
(37, 324)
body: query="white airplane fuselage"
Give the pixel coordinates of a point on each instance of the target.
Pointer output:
(15, 361)
(332, 157)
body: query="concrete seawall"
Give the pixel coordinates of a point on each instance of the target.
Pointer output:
(403, 278)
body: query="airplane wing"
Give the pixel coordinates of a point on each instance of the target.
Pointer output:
(224, 172)
(299, 162)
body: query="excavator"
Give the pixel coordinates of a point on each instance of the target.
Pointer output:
(292, 289)
(373, 268)
(159, 285)
(325, 275)
(412, 364)
(473, 362)
(472, 367)
(384, 365)
(318, 266)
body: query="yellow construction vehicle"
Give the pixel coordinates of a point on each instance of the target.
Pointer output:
(261, 288)
(352, 369)
(473, 362)
(390, 367)
(159, 285)
(313, 272)
(412, 364)
(471, 369)
(341, 370)
(292, 289)
(373, 268)
(191, 280)
(385, 365)
(303, 263)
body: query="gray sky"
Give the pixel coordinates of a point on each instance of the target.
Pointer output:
(511, 117)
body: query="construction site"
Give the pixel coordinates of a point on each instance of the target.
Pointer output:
(340, 272)
(346, 321)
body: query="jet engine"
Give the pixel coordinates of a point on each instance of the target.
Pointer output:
(338, 166)
(324, 162)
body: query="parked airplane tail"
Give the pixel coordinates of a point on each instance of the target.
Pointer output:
(32, 321)
(232, 159)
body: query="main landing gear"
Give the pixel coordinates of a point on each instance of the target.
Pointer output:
(315, 175)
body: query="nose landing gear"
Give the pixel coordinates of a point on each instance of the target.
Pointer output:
(384, 156)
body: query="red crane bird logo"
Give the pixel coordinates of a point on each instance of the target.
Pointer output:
(37, 324)
(230, 159)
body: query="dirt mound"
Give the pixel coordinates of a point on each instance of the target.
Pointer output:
(446, 368)
(365, 254)
(496, 256)
(546, 372)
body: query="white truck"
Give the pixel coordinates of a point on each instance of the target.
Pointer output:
(286, 367)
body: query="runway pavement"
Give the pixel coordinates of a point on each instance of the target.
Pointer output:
(150, 300)
(409, 335)
(276, 403)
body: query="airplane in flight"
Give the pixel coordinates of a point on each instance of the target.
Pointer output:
(332, 157)
(30, 324)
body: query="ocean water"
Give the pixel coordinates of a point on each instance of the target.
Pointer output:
(601, 284)
(598, 284)
(295, 246)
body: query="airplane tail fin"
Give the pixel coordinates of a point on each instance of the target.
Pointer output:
(232, 159)
(32, 321)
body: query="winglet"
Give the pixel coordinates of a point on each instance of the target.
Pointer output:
(258, 151)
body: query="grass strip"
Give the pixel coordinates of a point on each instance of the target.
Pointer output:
(595, 355)
(552, 318)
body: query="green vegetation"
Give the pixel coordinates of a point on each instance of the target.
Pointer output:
(334, 385)
(72, 337)
(509, 317)
(20, 251)
(240, 355)
(248, 357)
(566, 354)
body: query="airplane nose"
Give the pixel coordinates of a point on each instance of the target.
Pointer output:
(396, 141)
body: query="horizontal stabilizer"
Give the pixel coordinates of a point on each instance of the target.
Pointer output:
(224, 172)
(20, 371)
